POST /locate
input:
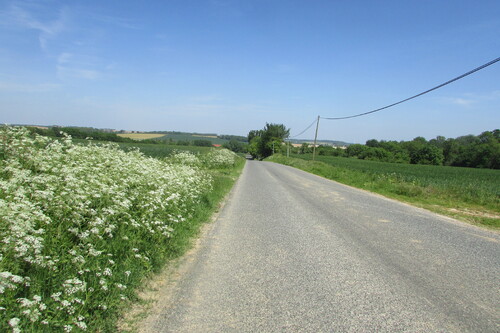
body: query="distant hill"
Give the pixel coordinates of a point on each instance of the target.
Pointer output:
(179, 136)
(322, 142)
(141, 135)
(186, 136)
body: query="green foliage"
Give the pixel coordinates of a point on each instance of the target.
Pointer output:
(203, 143)
(482, 151)
(236, 146)
(305, 149)
(233, 138)
(82, 225)
(253, 147)
(266, 141)
(79, 133)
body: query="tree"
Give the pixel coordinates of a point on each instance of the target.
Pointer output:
(261, 141)
(235, 145)
(203, 143)
(253, 146)
(372, 143)
(304, 148)
(355, 150)
(254, 133)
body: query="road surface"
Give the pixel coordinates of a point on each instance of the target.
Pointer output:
(293, 252)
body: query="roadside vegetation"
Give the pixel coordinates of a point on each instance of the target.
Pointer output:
(469, 194)
(83, 224)
(474, 151)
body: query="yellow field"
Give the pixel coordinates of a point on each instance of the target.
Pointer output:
(206, 136)
(141, 136)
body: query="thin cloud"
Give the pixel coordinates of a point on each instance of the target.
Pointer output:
(70, 65)
(64, 57)
(469, 99)
(21, 17)
(461, 101)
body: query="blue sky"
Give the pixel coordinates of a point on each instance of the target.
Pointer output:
(227, 67)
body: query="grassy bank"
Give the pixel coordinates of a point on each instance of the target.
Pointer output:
(82, 225)
(471, 195)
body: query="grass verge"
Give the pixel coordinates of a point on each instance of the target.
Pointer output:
(474, 200)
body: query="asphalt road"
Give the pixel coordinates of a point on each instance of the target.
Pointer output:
(293, 252)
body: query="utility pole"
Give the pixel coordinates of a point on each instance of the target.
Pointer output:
(315, 138)
(288, 149)
(273, 148)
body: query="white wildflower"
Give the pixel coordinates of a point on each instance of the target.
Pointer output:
(13, 322)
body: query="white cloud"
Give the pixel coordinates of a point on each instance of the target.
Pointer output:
(461, 101)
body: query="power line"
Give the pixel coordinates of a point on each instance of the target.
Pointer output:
(308, 127)
(412, 97)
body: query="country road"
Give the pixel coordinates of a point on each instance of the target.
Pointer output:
(293, 252)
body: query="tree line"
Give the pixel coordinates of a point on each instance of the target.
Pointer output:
(79, 133)
(475, 151)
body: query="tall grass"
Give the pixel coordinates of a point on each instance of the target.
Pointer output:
(470, 194)
(81, 225)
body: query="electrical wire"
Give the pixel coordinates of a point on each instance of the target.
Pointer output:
(412, 97)
(308, 127)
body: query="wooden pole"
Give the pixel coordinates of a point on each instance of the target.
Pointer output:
(315, 138)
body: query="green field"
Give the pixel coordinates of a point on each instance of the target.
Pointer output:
(469, 194)
(141, 136)
(192, 137)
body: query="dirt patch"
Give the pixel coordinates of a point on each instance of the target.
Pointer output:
(476, 213)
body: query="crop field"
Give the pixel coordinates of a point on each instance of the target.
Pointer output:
(485, 182)
(469, 194)
(82, 224)
(141, 136)
(191, 137)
